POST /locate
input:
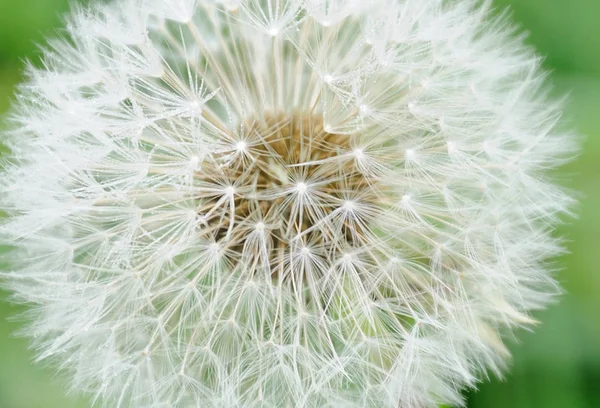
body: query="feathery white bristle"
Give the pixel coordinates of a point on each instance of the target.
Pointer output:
(282, 203)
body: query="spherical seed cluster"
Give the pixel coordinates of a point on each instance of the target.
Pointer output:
(282, 203)
(269, 178)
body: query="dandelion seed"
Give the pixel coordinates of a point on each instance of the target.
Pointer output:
(282, 203)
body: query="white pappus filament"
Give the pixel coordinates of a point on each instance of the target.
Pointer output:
(282, 203)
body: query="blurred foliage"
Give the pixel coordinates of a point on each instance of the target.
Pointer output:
(557, 365)
(24, 24)
(567, 32)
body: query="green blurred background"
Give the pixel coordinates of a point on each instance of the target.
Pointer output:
(558, 365)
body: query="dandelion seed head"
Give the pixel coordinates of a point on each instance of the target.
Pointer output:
(282, 203)
(241, 146)
(301, 188)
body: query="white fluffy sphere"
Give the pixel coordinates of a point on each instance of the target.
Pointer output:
(282, 203)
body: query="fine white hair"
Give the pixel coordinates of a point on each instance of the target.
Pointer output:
(282, 203)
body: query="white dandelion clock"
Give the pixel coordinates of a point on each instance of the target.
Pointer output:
(282, 203)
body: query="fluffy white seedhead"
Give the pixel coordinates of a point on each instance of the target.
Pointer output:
(282, 203)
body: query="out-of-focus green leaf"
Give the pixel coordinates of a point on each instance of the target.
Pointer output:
(567, 32)
(24, 22)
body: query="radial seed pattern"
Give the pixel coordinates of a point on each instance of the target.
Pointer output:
(282, 203)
